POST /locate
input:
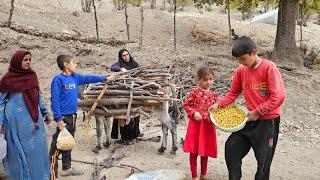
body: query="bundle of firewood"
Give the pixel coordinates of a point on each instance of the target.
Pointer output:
(132, 93)
(139, 90)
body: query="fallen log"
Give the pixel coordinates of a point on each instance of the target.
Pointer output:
(134, 97)
(116, 112)
(124, 92)
(117, 101)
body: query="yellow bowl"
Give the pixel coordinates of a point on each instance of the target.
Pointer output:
(237, 111)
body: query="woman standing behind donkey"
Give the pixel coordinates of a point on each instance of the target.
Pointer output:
(130, 131)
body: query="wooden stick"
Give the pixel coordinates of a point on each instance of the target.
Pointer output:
(117, 101)
(113, 112)
(96, 102)
(151, 85)
(123, 92)
(127, 165)
(129, 104)
(155, 74)
(139, 97)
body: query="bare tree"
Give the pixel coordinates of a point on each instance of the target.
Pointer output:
(229, 21)
(141, 30)
(86, 5)
(285, 49)
(126, 16)
(96, 19)
(10, 15)
(174, 25)
(118, 4)
(153, 4)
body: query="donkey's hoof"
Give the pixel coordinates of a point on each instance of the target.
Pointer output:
(173, 150)
(106, 144)
(161, 149)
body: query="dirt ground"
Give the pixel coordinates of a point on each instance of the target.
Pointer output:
(297, 153)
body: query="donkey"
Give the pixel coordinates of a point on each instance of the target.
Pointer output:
(168, 122)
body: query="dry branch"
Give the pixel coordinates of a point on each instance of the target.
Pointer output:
(137, 97)
(129, 104)
(123, 92)
(206, 36)
(117, 101)
(112, 112)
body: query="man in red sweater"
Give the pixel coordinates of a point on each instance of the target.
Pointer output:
(261, 83)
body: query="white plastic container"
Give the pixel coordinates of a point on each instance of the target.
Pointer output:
(50, 128)
(3, 147)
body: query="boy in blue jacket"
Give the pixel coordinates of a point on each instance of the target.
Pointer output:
(64, 97)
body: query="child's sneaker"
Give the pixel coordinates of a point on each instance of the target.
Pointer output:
(72, 172)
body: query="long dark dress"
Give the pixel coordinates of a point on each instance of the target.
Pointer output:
(128, 132)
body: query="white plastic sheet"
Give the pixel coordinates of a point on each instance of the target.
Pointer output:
(270, 17)
(159, 175)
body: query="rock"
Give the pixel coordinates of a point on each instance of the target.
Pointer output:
(76, 14)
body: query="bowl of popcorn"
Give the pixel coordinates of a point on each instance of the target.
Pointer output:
(231, 118)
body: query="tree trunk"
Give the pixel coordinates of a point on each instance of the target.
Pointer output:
(163, 7)
(10, 15)
(153, 4)
(319, 18)
(229, 22)
(96, 19)
(285, 50)
(266, 5)
(126, 15)
(86, 5)
(174, 25)
(141, 30)
(302, 18)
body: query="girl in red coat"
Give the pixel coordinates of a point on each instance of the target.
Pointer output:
(201, 134)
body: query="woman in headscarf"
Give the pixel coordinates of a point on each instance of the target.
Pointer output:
(130, 131)
(22, 112)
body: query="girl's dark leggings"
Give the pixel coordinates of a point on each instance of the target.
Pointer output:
(262, 137)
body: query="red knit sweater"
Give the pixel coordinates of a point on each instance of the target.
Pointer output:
(262, 87)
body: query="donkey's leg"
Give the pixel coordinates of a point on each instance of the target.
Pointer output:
(108, 121)
(97, 148)
(98, 129)
(174, 139)
(164, 139)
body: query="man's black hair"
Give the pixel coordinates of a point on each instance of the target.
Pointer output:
(242, 46)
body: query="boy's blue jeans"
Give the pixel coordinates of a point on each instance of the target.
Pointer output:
(70, 121)
(262, 136)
